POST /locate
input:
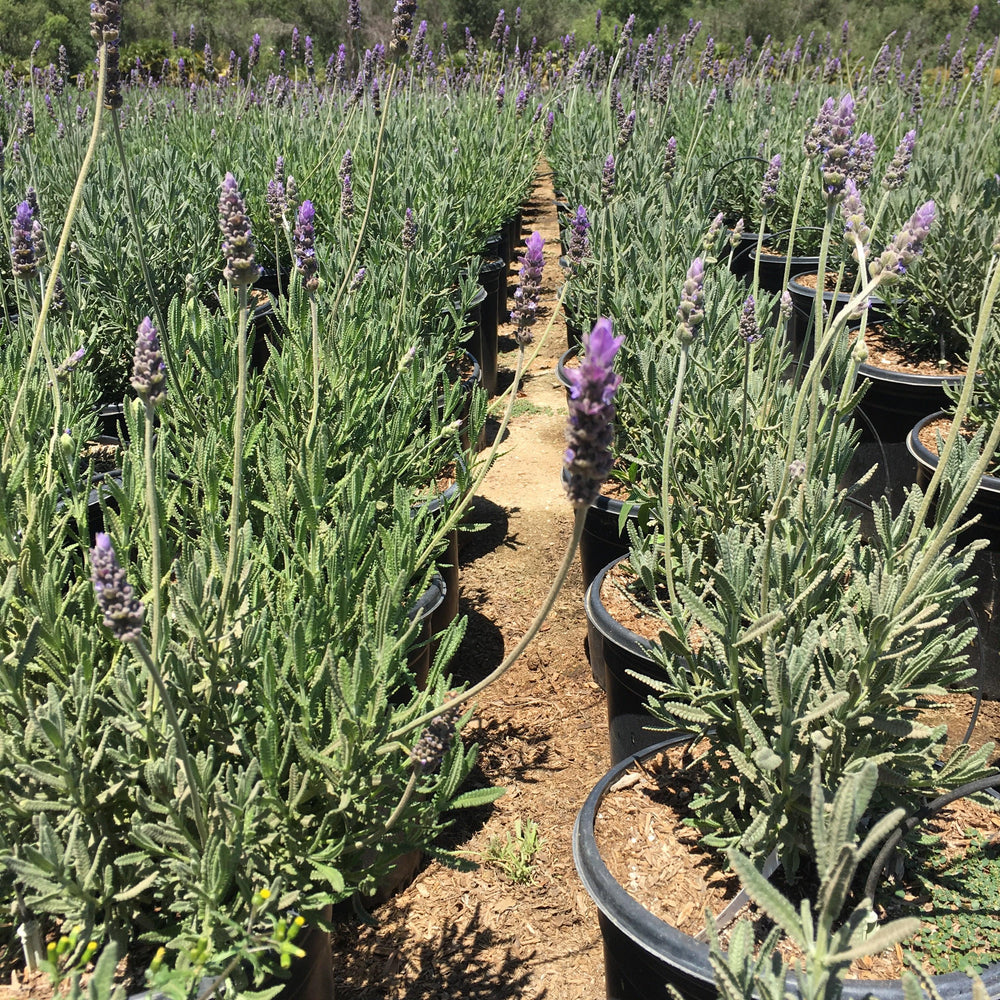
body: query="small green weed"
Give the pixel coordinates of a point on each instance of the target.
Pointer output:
(514, 854)
(525, 407)
(956, 902)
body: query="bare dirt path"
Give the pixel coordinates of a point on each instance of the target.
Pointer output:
(541, 728)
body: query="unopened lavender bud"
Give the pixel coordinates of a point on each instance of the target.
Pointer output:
(149, 374)
(710, 103)
(237, 241)
(430, 750)
(275, 198)
(359, 276)
(737, 233)
(860, 351)
(67, 445)
(409, 236)
(303, 245)
(785, 306)
(749, 330)
(712, 233)
(590, 427)
(796, 470)
(691, 310)
(123, 613)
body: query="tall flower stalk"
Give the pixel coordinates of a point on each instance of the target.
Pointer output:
(240, 271)
(587, 463)
(123, 616)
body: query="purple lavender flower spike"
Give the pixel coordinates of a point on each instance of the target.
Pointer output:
(896, 172)
(769, 188)
(670, 158)
(430, 750)
(149, 374)
(69, 364)
(409, 237)
(853, 212)
(550, 121)
(608, 178)
(590, 428)
(24, 263)
(691, 311)
(626, 129)
(749, 330)
(529, 285)
(123, 613)
(402, 25)
(353, 14)
(303, 244)
(863, 160)
(579, 243)
(237, 241)
(359, 276)
(906, 247)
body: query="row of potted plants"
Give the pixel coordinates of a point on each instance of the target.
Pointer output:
(794, 647)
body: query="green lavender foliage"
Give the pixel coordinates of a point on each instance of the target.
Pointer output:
(288, 695)
(828, 944)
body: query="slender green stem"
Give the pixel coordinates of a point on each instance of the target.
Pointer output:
(147, 276)
(238, 433)
(139, 647)
(376, 159)
(411, 787)
(74, 206)
(579, 519)
(153, 519)
(665, 503)
(314, 323)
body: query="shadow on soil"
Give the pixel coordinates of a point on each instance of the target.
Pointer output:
(491, 522)
(466, 958)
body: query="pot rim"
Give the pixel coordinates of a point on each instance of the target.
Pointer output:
(603, 621)
(672, 946)
(807, 291)
(877, 374)
(922, 454)
(561, 365)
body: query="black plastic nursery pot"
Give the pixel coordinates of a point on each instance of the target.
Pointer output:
(614, 651)
(482, 342)
(644, 956)
(568, 359)
(602, 542)
(422, 612)
(895, 401)
(985, 501)
(803, 298)
(741, 259)
(771, 271)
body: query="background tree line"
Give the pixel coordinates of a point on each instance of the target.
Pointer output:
(229, 24)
